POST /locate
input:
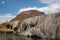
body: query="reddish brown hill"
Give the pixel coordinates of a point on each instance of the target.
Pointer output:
(27, 14)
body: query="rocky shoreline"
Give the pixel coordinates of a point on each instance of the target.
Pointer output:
(43, 26)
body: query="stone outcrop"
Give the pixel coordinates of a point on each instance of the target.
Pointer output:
(40, 25)
(9, 26)
(14, 23)
(27, 14)
(45, 26)
(3, 29)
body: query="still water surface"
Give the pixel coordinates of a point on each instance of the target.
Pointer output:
(14, 37)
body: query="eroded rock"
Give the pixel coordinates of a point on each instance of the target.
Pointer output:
(45, 26)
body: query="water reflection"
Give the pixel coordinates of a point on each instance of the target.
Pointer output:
(14, 37)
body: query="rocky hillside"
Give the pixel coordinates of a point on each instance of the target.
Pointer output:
(23, 15)
(45, 26)
(27, 14)
(35, 23)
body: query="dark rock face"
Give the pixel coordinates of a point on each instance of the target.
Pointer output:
(45, 26)
(27, 14)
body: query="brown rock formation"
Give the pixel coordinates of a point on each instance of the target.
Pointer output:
(6, 27)
(23, 15)
(27, 14)
(45, 26)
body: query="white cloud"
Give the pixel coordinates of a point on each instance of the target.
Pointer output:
(49, 1)
(3, 2)
(47, 9)
(52, 7)
(6, 17)
(29, 8)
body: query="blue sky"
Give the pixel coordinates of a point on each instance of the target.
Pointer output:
(13, 6)
(10, 8)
